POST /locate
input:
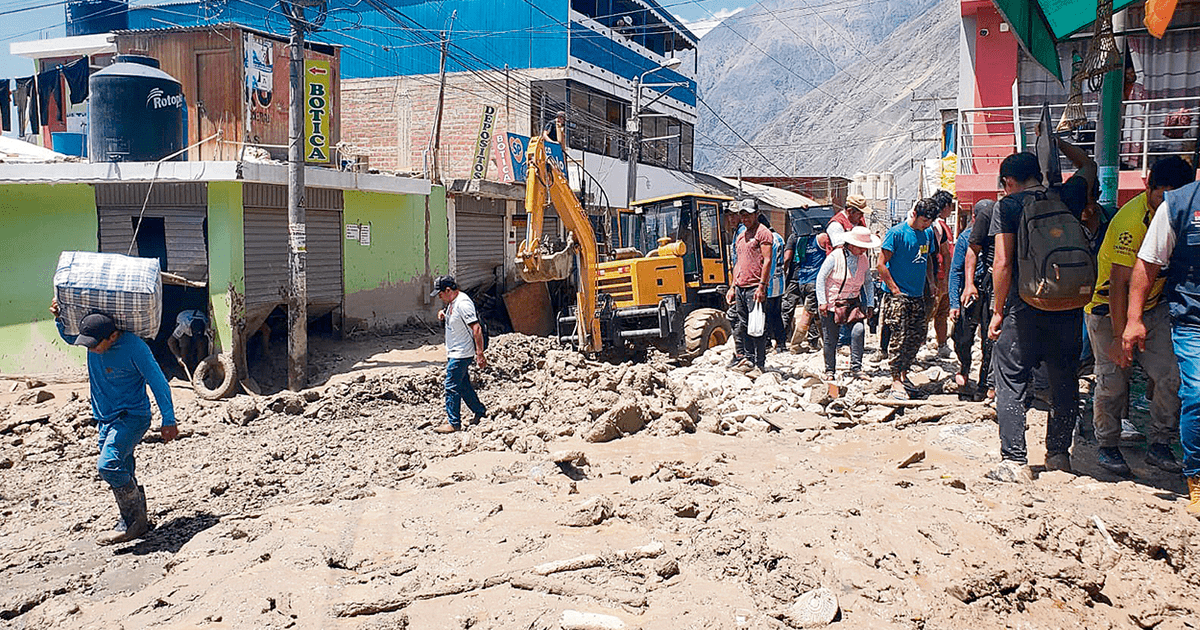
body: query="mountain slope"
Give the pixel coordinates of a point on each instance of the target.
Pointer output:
(858, 118)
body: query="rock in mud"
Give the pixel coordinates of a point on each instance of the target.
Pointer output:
(241, 411)
(576, 458)
(625, 418)
(591, 512)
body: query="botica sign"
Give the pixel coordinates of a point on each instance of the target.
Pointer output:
(316, 105)
(487, 122)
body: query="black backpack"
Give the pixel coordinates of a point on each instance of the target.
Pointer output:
(1056, 270)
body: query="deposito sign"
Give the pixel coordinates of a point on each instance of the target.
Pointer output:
(486, 123)
(317, 94)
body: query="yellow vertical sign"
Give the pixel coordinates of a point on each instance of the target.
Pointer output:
(317, 96)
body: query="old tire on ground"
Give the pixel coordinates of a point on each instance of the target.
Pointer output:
(215, 377)
(704, 328)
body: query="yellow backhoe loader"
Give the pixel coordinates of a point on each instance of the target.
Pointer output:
(671, 296)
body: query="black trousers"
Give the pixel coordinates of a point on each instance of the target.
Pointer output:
(739, 350)
(962, 335)
(775, 327)
(1030, 336)
(755, 348)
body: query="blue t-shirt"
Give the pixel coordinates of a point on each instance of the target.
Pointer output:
(910, 254)
(117, 380)
(807, 263)
(958, 267)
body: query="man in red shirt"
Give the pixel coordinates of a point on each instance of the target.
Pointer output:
(853, 215)
(750, 277)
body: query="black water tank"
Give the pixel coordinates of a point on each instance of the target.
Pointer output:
(85, 17)
(135, 112)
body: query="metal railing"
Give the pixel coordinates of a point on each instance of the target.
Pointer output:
(1148, 128)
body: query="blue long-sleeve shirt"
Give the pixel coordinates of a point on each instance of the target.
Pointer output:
(118, 378)
(958, 268)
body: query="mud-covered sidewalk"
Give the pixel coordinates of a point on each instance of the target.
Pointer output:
(637, 495)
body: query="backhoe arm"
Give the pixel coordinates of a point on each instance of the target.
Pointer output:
(545, 183)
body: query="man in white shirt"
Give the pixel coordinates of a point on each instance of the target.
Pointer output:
(464, 344)
(189, 342)
(1172, 246)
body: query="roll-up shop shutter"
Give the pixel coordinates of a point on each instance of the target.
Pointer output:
(478, 241)
(182, 207)
(266, 246)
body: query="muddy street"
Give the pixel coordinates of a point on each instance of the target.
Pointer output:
(637, 495)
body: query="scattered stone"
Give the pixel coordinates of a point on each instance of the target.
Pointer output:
(626, 418)
(665, 567)
(591, 512)
(912, 459)
(35, 397)
(241, 410)
(575, 458)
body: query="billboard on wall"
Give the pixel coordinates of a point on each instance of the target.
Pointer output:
(487, 123)
(317, 94)
(511, 157)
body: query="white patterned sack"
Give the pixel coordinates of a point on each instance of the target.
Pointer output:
(125, 288)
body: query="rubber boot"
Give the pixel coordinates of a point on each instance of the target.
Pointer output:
(1193, 506)
(131, 501)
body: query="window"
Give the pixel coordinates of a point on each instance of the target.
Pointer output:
(710, 231)
(152, 239)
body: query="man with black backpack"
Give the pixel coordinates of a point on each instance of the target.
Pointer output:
(1043, 275)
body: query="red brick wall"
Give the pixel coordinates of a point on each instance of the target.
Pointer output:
(391, 119)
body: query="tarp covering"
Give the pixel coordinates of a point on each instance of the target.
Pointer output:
(1040, 24)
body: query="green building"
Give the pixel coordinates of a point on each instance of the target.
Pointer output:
(220, 229)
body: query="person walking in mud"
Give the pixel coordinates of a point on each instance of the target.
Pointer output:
(1173, 242)
(902, 267)
(464, 346)
(1105, 318)
(1025, 335)
(750, 277)
(120, 366)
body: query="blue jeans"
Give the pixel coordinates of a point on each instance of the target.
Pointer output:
(117, 441)
(458, 388)
(1187, 349)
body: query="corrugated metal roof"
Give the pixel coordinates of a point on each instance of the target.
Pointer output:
(770, 195)
(218, 25)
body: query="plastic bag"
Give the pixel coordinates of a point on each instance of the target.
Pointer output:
(757, 322)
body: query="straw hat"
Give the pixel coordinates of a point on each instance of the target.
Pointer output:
(861, 237)
(857, 202)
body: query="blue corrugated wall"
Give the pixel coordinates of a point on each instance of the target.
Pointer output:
(488, 34)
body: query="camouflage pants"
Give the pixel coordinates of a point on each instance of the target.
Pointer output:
(906, 316)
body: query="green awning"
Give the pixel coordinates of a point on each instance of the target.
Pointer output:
(1040, 24)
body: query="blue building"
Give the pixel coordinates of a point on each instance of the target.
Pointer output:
(536, 56)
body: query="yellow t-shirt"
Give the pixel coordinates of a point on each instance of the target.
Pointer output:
(1121, 244)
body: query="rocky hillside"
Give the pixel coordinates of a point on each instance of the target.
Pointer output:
(827, 89)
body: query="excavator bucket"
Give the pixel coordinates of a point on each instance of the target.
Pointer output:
(533, 266)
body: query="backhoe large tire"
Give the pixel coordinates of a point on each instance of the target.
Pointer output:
(704, 328)
(215, 377)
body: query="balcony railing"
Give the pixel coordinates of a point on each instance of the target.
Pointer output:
(1148, 128)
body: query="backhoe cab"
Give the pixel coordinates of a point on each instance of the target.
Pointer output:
(665, 285)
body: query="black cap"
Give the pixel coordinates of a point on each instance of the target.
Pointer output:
(95, 328)
(442, 283)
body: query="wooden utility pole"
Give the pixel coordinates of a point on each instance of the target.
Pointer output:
(436, 140)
